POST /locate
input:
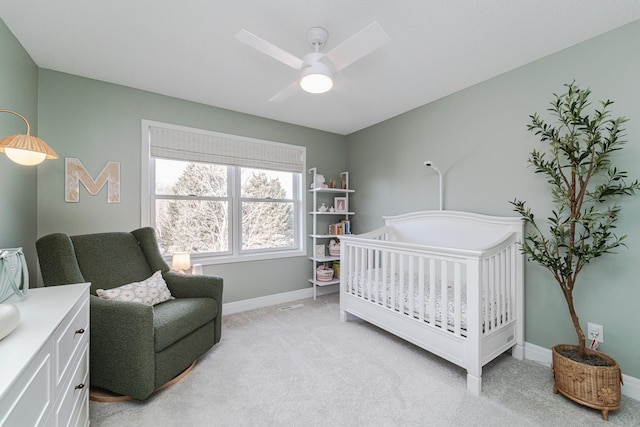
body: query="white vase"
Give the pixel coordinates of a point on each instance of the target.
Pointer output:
(9, 319)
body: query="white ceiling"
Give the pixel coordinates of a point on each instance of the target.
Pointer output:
(186, 49)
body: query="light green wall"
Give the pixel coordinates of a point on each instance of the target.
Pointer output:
(478, 138)
(98, 122)
(18, 184)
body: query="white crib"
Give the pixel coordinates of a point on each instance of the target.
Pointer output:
(449, 282)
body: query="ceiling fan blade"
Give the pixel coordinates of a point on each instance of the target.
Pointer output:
(360, 44)
(286, 92)
(270, 49)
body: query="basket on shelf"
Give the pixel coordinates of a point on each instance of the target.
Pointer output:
(324, 274)
(334, 247)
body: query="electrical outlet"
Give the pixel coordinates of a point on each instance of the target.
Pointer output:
(595, 332)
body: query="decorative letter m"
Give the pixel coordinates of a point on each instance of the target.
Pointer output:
(75, 173)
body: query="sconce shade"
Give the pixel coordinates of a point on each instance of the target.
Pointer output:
(181, 261)
(25, 149)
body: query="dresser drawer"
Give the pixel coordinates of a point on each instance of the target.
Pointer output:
(31, 398)
(70, 337)
(74, 395)
(83, 412)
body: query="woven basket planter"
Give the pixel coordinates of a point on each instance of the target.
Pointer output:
(597, 387)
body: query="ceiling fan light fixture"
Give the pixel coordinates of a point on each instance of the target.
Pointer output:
(316, 68)
(316, 78)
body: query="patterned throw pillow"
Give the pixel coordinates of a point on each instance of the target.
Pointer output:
(150, 292)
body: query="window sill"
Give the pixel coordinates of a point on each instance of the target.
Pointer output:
(230, 259)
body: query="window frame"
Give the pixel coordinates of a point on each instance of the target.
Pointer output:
(236, 253)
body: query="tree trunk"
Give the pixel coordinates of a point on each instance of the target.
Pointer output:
(576, 324)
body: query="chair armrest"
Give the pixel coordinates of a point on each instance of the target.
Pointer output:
(198, 286)
(194, 285)
(122, 347)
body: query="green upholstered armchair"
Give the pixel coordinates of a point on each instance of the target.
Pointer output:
(135, 348)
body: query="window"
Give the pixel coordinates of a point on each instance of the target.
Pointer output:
(222, 197)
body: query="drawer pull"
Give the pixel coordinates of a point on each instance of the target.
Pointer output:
(79, 386)
(80, 331)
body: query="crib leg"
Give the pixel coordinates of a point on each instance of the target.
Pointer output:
(517, 351)
(343, 316)
(474, 384)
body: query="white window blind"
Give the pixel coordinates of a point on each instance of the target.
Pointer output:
(219, 148)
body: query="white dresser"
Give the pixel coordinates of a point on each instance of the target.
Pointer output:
(44, 362)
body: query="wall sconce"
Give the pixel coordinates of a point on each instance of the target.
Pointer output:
(25, 149)
(181, 262)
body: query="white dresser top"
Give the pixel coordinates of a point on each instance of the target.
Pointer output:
(41, 311)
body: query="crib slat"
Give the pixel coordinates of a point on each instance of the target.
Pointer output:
(492, 293)
(356, 251)
(444, 321)
(503, 288)
(512, 279)
(421, 289)
(376, 277)
(457, 300)
(432, 291)
(392, 273)
(496, 288)
(369, 271)
(385, 283)
(361, 270)
(410, 292)
(496, 291)
(485, 295)
(498, 273)
(400, 283)
(350, 269)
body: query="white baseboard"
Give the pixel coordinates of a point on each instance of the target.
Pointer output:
(266, 301)
(535, 353)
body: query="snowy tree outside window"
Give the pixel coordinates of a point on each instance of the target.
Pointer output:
(194, 204)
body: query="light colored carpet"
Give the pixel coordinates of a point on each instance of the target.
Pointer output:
(303, 367)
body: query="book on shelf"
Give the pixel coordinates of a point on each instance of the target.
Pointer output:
(340, 228)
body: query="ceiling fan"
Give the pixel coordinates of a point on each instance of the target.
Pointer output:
(317, 68)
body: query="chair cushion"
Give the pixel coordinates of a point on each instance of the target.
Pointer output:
(151, 291)
(109, 260)
(175, 319)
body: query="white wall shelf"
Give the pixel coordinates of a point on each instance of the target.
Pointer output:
(332, 213)
(321, 283)
(320, 219)
(325, 258)
(331, 190)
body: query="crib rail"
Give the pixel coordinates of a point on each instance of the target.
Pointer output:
(448, 290)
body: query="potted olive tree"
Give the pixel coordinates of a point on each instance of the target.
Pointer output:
(577, 163)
